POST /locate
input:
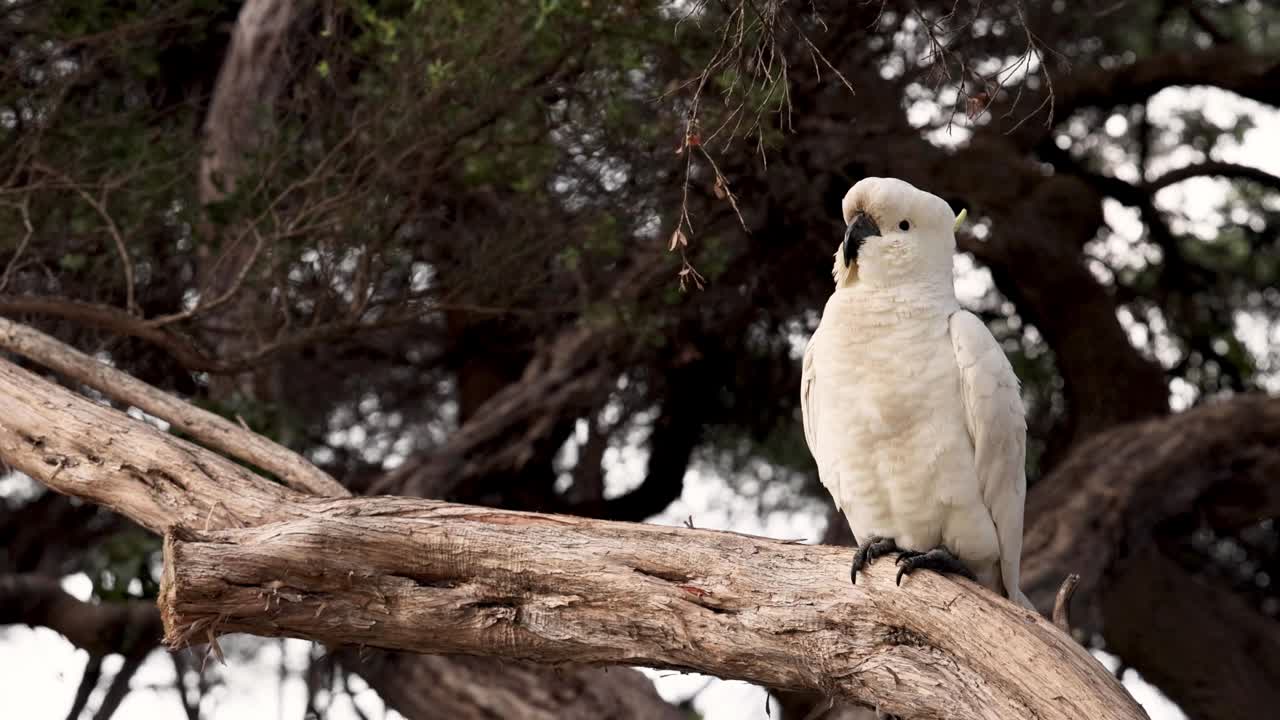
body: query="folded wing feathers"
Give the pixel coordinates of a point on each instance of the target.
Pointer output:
(997, 425)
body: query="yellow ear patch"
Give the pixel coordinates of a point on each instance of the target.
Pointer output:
(964, 212)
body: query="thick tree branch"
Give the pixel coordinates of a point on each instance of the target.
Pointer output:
(86, 450)
(1110, 494)
(98, 628)
(131, 629)
(518, 422)
(1228, 67)
(113, 319)
(460, 687)
(92, 452)
(1041, 262)
(508, 429)
(1237, 669)
(180, 347)
(741, 607)
(215, 431)
(119, 686)
(251, 77)
(26, 529)
(420, 575)
(675, 434)
(1142, 195)
(1117, 495)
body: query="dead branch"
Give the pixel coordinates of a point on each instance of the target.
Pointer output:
(212, 430)
(1062, 603)
(434, 577)
(115, 320)
(80, 448)
(88, 682)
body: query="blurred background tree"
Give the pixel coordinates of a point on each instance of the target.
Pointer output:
(564, 255)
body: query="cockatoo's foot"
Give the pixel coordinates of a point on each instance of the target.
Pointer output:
(874, 547)
(939, 559)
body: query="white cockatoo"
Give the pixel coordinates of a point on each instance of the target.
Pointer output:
(911, 409)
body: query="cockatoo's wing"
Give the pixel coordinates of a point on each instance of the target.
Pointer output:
(808, 406)
(998, 428)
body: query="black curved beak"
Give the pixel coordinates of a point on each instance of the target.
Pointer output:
(858, 231)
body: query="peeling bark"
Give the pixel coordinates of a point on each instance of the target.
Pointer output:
(552, 588)
(220, 433)
(85, 450)
(425, 576)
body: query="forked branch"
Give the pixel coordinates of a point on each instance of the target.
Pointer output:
(244, 554)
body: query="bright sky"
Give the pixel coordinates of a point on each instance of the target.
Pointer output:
(39, 670)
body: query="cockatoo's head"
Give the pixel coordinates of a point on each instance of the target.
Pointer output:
(894, 234)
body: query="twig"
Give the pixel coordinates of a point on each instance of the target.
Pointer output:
(1062, 604)
(236, 283)
(22, 246)
(100, 206)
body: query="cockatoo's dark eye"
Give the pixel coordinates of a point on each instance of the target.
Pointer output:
(904, 226)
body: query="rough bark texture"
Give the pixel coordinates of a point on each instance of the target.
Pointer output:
(241, 116)
(92, 452)
(778, 614)
(1041, 211)
(220, 433)
(434, 577)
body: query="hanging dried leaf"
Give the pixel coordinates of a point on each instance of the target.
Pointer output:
(678, 240)
(976, 103)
